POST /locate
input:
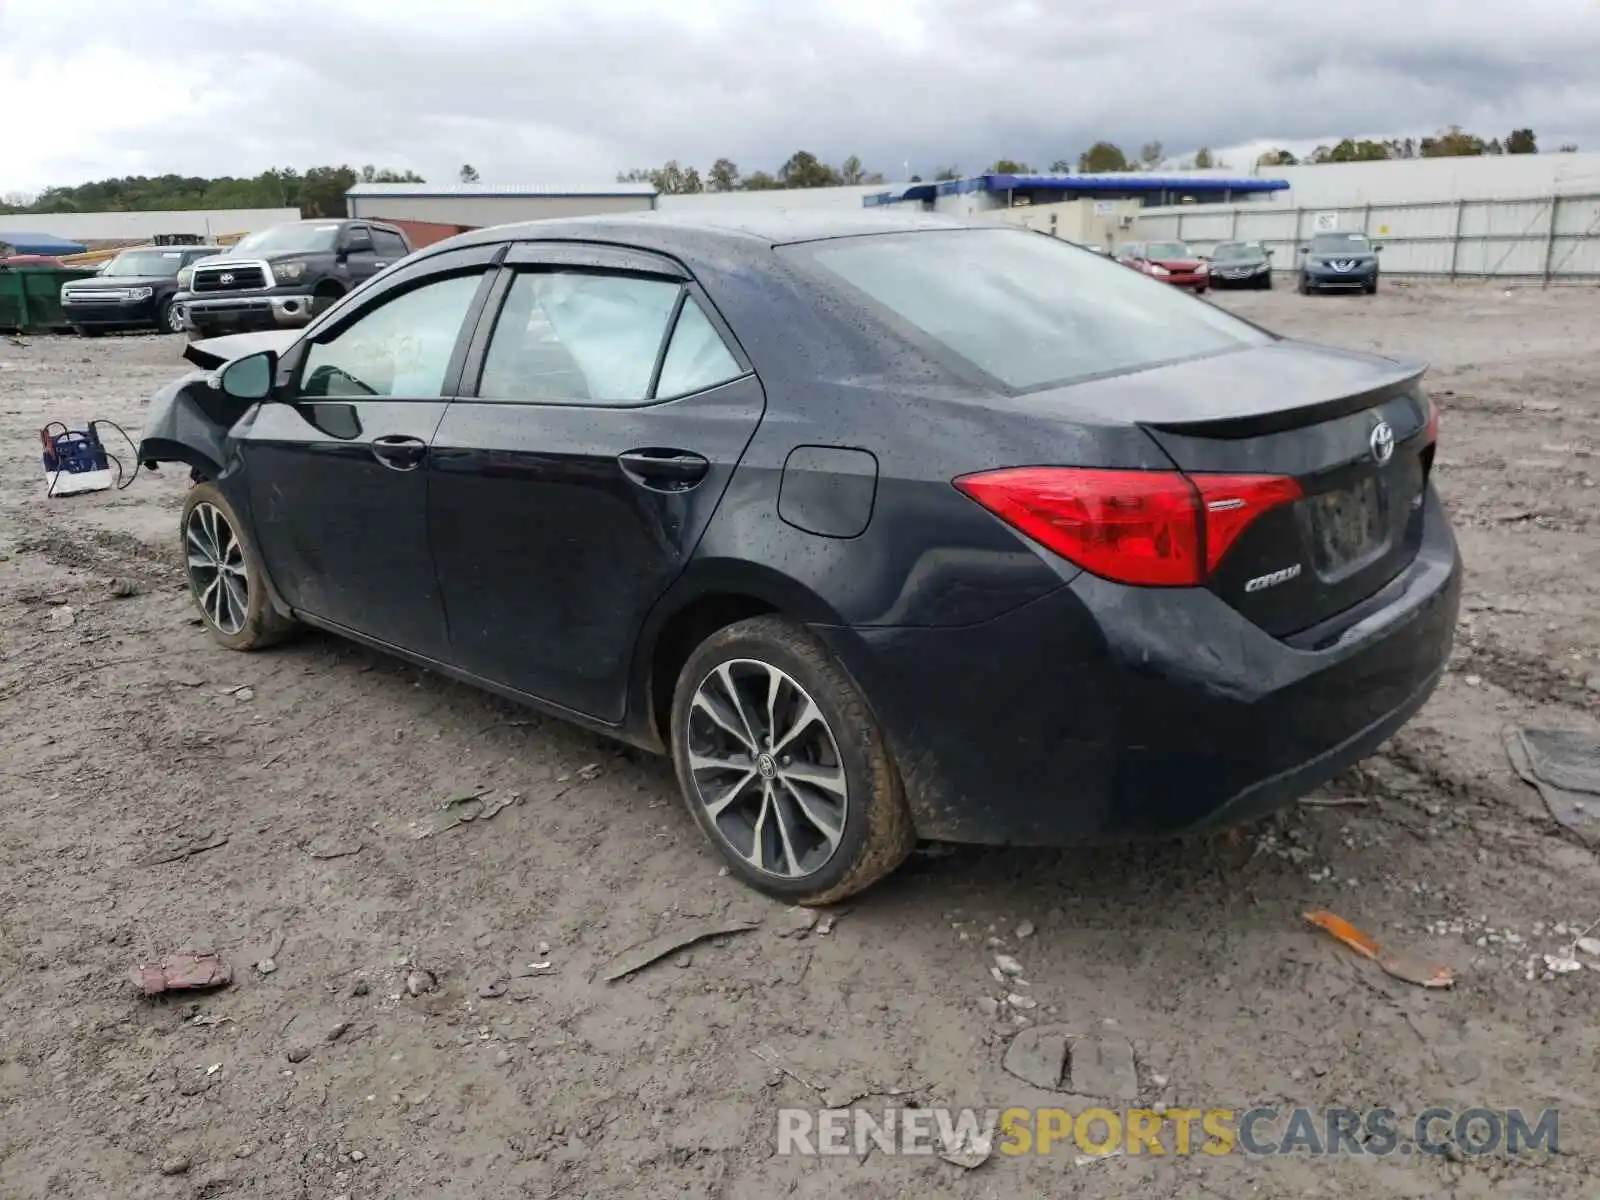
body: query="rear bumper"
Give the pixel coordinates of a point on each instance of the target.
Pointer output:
(241, 313)
(1104, 712)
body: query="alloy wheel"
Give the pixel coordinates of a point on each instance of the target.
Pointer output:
(766, 767)
(216, 568)
(174, 319)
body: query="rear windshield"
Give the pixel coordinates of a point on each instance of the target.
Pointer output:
(1024, 308)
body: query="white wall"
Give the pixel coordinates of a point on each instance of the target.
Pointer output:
(481, 211)
(806, 198)
(118, 226)
(1415, 180)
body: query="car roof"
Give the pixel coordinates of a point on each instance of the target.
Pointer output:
(666, 230)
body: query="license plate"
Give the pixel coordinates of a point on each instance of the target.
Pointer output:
(1346, 525)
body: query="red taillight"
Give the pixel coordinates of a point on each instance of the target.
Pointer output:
(1433, 423)
(1155, 528)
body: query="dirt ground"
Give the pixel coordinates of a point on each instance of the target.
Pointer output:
(126, 743)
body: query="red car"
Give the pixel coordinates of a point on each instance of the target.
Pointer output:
(1170, 262)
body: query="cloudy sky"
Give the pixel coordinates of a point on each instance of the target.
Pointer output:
(571, 92)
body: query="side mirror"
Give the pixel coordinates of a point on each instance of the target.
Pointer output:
(1270, 253)
(250, 377)
(1304, 249)
(1377, 248)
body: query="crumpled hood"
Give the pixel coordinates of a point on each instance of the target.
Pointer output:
(212, 353)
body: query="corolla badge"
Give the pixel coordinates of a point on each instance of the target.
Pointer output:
(1382, 443)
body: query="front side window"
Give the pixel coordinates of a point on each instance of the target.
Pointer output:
(401, 349)
(578, 337)
(1026, 310)
(388, 243)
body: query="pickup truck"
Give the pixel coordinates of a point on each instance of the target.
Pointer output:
(279, 278)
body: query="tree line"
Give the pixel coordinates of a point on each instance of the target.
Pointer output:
(1450, 142)
(320, 191)
(316, 192)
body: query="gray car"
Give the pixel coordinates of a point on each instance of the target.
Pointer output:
(1241, 265)
(1346, 261)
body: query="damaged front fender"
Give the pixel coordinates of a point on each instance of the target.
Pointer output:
(190, 419)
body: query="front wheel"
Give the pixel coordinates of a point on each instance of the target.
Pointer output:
(1304, 286)
(226, 578)
(1372, 287)
(169, 317)
(1266, 283)
(783, 766)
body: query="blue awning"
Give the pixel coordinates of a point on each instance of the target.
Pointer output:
(41, 243)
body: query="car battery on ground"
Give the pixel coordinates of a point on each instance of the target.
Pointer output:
(75, 461)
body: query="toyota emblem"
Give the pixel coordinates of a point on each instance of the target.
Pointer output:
(225, 279)
(1382, 443)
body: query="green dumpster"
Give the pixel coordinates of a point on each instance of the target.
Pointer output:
(30, 297)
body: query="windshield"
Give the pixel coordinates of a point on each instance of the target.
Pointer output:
(1157, 250)
(288, 239)
(1236, 251)
(1026, 310)
(145, 262)
(1340, 243)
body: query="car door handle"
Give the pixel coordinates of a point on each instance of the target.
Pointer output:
(399, 453)
(664, 470)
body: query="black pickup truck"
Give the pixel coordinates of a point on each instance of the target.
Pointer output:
(280, 278)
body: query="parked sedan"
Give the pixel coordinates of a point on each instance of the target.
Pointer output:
(1339, 261)
(1170, 262)
(1241, 264)
(135, 290)
(884, 528)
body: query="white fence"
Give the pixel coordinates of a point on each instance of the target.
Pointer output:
(1553, 240)
(129, 226)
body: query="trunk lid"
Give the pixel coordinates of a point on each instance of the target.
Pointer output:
(1349, 428)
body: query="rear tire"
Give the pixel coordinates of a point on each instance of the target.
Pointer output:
(1304, 286)
(226, 579)
(810, 826)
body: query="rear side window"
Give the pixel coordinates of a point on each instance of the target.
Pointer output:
(696, 357)
(1026, 310)
(388, 243)
(584, 337)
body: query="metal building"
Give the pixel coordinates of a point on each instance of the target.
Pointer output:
(476, 205)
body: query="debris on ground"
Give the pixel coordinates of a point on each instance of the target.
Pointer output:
(493, 989)
(798, 922)
(188, 847)
(182, 973)
(967, 1147)
(478, 806)
(268, 963)
(240, 692)
(641, 956)
(1564, 765)
(333, 845)
(1395, 963)
(121, 588)
(1007, 965)
(177, 1164)
(1025, 930)
(419, 982)
(588, 772)
(337, 1030)
(60, 618)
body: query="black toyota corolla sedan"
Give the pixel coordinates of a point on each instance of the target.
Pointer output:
(883, 528)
